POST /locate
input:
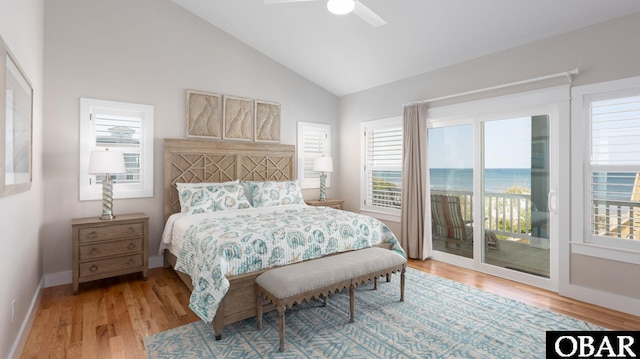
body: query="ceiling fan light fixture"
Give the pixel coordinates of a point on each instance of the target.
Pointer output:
(341, 7)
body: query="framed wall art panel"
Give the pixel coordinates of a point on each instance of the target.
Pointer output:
(16, 125)
(238, 119)
(204, 114)
(267, 121)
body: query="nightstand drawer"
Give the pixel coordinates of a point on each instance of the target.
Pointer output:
(110, 265)
(99, 250)
(115, 231)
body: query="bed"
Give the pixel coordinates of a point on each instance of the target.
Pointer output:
(228, 292)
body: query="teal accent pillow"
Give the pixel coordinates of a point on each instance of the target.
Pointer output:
(274, 193)
(211, 197)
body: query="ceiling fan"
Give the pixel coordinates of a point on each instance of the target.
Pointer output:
(341, 7)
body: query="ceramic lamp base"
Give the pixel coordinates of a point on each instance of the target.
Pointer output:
(107, 199)
(323, 187)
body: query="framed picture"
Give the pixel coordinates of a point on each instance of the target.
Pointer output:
(237, 119)
(204, 114)
(267, 121)
(16, 123)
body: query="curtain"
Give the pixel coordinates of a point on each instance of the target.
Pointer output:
(414, 183)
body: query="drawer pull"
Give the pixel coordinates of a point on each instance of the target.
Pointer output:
(131, 230)
(92, 234)
(131, 245)
(94, 250)
(93, 268)
(131, 261)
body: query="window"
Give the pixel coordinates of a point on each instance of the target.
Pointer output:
(615, 168)
(382, 169)
(123, 126)
(609, 116)
(314, 140)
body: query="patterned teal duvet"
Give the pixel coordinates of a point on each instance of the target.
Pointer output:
(243, 241)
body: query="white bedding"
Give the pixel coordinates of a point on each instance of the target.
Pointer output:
(178, 223)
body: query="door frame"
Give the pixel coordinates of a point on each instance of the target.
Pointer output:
(553, 101)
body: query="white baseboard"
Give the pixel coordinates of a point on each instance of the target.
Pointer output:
(27, 323)
(604, 299)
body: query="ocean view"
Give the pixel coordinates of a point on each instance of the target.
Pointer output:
(496, 179)
(612, 186)
(454, 179)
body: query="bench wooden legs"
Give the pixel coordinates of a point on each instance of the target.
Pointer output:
(375, 281)
(402, 284)
(281, 310)
(352, 302)
(259, 309)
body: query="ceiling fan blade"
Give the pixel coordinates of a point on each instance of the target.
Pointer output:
(269, 2)
(368, 15)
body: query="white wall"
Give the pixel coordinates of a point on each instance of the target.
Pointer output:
(148, 52)
(21, 214)
(602, 52)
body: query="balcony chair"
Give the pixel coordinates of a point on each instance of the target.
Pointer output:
(449, 225)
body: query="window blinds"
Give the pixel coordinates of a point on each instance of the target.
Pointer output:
(615, 168)
(121, 131)
(314, 140)
(383, 166)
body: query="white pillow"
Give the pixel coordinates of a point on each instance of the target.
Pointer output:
(211, 197)
(274, 193)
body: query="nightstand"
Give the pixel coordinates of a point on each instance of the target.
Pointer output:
(333, 203)
(108, 248)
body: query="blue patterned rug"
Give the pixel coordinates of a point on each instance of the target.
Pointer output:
(440, 318)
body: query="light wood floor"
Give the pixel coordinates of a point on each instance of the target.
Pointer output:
(110, 318)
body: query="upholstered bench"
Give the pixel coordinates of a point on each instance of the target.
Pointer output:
(295, 283)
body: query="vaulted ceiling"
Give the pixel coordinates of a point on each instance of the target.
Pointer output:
(344, 54)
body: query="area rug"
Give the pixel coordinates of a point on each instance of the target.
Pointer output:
(440, 318)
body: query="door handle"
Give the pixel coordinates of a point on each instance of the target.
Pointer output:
(552, 205)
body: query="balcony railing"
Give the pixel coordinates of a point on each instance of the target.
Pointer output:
(505, 214)
(516, 216)
(618, 219)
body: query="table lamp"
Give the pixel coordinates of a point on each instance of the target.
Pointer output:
(324, 165)
(106, 162)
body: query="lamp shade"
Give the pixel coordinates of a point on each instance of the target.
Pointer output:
(341, 7)
(323, 164)
(102, 162)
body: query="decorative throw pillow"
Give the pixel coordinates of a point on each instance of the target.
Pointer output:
(211, 197)
(274, 193)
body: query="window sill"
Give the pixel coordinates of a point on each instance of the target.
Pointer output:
(606, 252)
(381, 215)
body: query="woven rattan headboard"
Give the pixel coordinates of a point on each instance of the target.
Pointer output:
(193, 161)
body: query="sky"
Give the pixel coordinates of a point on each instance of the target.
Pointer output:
(507, 145)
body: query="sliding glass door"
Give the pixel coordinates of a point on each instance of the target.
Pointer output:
(491, 192)
(451, 186)
(515, 193)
